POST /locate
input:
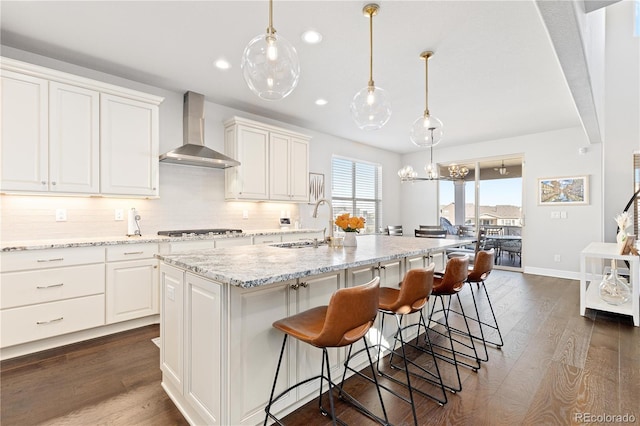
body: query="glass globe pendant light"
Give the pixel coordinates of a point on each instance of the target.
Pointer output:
(371, 107)
(431, 168)
(270, 64)
(427, 129)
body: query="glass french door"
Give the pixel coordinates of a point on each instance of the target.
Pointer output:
(489, 196)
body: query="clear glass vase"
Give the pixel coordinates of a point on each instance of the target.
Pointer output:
(614, 289)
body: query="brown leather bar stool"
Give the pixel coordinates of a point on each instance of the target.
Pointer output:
(478, 274)
(410, 298)
(481, 269)
(347, 319)
(448, 285)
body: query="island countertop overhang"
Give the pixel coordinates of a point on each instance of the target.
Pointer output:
(253, 266)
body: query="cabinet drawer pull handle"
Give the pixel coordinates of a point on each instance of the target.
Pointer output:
(295, 286)
(57, 259)
(133, 252)
(49, 286)
(383, 267)
(50, 321)
(304, 284)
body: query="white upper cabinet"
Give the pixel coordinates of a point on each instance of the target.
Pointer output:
(129, 146)
(74, 139)
(25, 135)
(274, 162)
(289, 168)
(250, 146)
(66, 134)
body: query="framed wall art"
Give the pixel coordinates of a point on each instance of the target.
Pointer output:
(563, 190)
(316, 187)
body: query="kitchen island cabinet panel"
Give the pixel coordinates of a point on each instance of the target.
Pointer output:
(172, 329)
(203, 347)
(251, 338)
(311, 292)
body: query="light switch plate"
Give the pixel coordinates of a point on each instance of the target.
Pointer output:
(119, 214)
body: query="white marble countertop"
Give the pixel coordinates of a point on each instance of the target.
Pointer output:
(252, 266)
(39, 244)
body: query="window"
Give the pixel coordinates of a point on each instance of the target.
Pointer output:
(356, 189)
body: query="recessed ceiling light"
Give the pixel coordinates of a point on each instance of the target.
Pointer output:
(222, 64)
(311, 37)
(321, 102)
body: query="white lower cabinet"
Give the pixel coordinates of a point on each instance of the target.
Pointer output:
(46, 293)
(34, 322)
(132, 282)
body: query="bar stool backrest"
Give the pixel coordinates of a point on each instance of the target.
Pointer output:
(482, 266)
(455, 275)
(415, 289)
(350, 314)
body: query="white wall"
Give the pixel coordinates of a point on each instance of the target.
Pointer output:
(622, 110)
(548, 154)
(190, 197)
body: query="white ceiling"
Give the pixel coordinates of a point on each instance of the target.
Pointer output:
(494, 73)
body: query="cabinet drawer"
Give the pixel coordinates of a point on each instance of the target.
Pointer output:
(29, 323)
(50, 258)
(31, 287)
(131, 252)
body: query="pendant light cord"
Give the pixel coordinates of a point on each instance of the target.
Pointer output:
(371, 84)
(426, 56)
(270, 30)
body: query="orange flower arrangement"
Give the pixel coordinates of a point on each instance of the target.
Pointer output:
(349, 223)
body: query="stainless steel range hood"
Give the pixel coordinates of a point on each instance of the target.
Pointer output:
(193, 152)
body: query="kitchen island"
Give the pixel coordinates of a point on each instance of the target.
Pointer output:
(218, 348)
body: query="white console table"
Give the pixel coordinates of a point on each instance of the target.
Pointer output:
(596, 253)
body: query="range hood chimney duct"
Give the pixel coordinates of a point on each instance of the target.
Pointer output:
(193, 152)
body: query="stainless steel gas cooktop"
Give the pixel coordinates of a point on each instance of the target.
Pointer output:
(193, 232)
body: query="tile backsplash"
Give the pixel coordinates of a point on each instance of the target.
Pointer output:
(189, 198)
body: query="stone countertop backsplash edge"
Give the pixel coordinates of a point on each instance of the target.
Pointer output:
(40, 244)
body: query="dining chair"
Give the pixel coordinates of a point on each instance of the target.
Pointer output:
(394, 230)
(430, 233)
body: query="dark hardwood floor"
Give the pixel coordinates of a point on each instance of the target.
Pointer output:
(555, 366)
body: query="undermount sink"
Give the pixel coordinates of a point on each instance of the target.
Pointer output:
(299, 244)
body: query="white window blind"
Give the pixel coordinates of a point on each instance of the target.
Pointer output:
(356, 189)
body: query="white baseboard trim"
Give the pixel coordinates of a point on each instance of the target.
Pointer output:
(556, 273)
(78, 336)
